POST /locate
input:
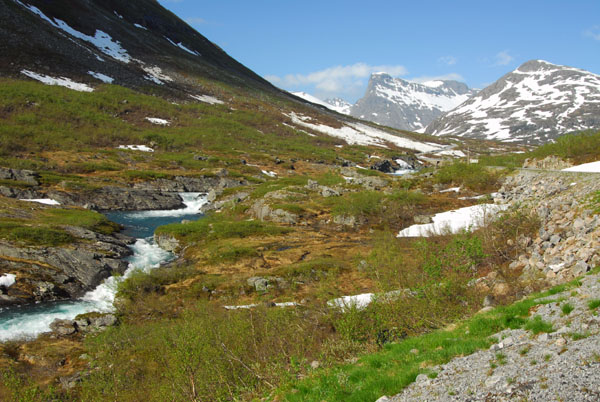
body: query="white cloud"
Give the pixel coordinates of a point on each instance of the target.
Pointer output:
(450, 76)
(344, 81)
(195, 21)
(593, 32)
(503, 58)
(448, 60)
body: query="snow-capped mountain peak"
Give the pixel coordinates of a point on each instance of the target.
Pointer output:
(337, 104)
(408, 105)
(533, 104)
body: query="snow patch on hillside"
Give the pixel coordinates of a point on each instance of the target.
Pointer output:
(361, 134)
(454, 221)
(208, 99)
(159, 122)
(104, 78)
(100, 40)
(61, 81)
(182, 47)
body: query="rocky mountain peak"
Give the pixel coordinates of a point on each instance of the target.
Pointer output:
(533, 104)
(408, 105)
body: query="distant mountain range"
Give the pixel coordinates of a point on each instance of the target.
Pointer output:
(398, 103)
(533, 104)
(408, 105)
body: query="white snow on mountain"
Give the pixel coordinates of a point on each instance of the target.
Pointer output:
(362, 134)
(60, 81)
(535, 103)
(408, 105)
(100, 40)
(340, 108)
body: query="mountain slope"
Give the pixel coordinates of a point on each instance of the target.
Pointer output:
(408, 105)
(135, 44)
(533, 104)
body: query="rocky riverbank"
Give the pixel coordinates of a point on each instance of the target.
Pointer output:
(158, 194)
(61, 272)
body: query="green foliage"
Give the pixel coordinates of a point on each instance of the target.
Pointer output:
(19, 389)
(293, 208)
(84, 218)
(357, 204)
(226, 252)
(463, 253)
(34, 235)
(566, 308)
(578, 147)
(594, 304)
(538, 325)
(207, 354)
(213, 227)
(330, 179)
(472, 176)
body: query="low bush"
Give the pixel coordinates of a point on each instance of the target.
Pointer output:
(472, 176)
(214, 227)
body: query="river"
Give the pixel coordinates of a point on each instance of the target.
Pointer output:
(28, 321)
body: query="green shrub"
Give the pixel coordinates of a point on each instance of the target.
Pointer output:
(472, 176)
(566, 308)
(537, 325)
(34, 235)
(357, 204)
(214, 227)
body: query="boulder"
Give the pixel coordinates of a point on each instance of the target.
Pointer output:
(63, 327)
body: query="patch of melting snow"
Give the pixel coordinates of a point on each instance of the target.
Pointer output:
(249, 306)
(140, 26)
(451, 189)
(101, 40)
(208, 99)
(454, 221)
(7, 280)
(142, 148)
(104, 78)
(592, 167)
(45, 201)
(182, 47)
(362, 134)
(157, 121)
(156, 75)
(62, 81)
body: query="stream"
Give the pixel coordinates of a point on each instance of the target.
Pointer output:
(28, 321)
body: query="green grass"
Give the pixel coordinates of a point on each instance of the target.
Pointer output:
(389, 371)
(594, 304)
(34, 235)
(475, 177)
(566, 308)
(216, 227)
(579, 147)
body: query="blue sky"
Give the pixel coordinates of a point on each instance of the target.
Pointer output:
(329, 47)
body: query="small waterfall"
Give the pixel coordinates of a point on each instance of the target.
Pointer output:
(32, 320)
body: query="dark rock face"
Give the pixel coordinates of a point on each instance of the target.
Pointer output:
(190, 184)
(408, 105)
(54, 273)
(120, 199)
(24, 176)
(533, 104)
